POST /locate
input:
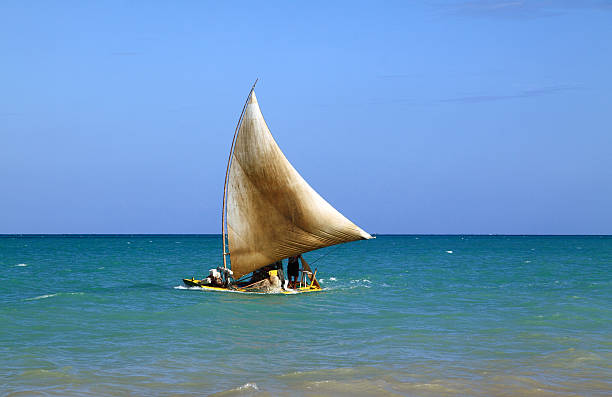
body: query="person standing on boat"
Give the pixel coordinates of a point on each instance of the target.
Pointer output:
(293, 270)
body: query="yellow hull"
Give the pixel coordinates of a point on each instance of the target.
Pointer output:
(195, 283)
(289, 292)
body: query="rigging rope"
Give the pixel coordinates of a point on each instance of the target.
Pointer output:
(327, 253)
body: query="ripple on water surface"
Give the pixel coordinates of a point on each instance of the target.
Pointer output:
(400, 315)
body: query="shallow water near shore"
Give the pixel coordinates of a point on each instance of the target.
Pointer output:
(400, 315)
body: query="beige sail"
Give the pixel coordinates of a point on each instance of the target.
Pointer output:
(272, 212)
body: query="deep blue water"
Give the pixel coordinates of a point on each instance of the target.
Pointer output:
(400, 315)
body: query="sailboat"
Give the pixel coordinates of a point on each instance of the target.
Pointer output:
(269, 213)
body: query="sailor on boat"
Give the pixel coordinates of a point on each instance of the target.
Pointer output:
(278, 265)
(218, 278)
(293, 271)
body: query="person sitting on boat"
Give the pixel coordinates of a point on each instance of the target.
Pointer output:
(293, 271)
(278, 265)
(214, 278)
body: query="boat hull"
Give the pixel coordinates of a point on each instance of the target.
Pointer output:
(190, 282)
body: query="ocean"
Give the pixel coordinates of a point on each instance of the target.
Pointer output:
(399, 316)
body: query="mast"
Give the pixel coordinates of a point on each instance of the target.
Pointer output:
(270, 211)
(229, 160)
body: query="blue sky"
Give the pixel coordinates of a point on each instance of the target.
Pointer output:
(409, 117)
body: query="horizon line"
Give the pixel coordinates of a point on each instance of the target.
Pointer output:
(373, 234)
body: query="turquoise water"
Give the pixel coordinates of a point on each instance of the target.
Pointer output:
(400, 315)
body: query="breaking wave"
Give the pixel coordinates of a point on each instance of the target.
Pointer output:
(248, 388)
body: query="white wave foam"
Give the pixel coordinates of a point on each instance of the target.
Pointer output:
(52, 295)
(189, 288)
(41, 297)
(248, 386)
(360, 283)
(21, 265)
(358, 286)
(332, 279)
(365, 280)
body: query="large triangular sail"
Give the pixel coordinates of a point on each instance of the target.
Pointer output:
(272, 212)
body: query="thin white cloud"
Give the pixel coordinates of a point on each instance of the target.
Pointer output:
(470, 99)
(518, 95)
